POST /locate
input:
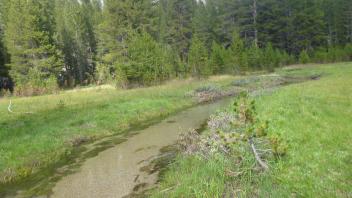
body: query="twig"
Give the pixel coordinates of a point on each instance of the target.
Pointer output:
(168, 189)
(10, 110)
(257, 157)
(9, 107)
(233, 174)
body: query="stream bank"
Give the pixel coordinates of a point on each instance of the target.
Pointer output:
(108, 162)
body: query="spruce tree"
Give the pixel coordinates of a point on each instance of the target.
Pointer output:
(218, 60)
(179, 26)
(198, 58)
(29, 44)
(76, 24)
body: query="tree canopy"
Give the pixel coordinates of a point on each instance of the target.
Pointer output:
(65, 43)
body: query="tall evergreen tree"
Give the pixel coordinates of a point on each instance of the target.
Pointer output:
(307, 26)
(198, 58)
(29, 43)
(3, 57)
(76, 23)
(179, 26)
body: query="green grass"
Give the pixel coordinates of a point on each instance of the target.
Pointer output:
(29, 142)
(313, 117)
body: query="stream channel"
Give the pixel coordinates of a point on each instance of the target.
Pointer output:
(119, 170)
(116, 172)
(117, 166)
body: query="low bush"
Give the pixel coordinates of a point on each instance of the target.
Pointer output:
(208, 88)
(232, 131)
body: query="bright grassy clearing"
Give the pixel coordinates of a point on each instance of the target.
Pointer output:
(30, 141)
(314, 117)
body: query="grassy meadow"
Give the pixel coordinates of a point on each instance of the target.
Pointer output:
(313, 117)
(43, 129)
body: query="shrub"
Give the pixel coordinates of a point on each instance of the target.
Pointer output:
(348, 50)
(36, 83)
(218, 59)
(208, 88)
(231, 132)
(198, 58)
(304, 57)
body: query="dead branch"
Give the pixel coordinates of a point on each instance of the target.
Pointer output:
(257, 157)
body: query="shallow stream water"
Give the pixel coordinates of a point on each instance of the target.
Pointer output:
(117, 171)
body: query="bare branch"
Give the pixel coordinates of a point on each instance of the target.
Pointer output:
(257, 157)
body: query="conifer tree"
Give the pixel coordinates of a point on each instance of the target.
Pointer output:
(76, 24)
(218, 60)
(179, 26)
(198, 58)
(28, 41)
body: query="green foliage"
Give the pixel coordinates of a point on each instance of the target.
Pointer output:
(332, 54)
(237, 53)
(348, 50)
(304, 57)
(270, 58)
(295, 114)
(219, 59)
(29, 44)
(38, 83)
(177, 27)
(75, 23)
(147, 61)
(255, 56)
(83, 42)
(198, 58)
(302, 116)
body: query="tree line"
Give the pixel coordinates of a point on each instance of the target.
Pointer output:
(47, 44)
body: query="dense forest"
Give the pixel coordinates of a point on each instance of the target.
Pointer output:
(51, 44)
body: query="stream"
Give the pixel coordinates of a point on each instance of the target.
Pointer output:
(117, 171)
(118, 166)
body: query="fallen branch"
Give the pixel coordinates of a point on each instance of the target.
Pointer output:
(257, 157)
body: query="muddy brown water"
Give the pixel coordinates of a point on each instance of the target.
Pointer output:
(116, 171)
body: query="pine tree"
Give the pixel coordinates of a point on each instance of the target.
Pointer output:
(179, 26)
(3, 59)
(206, 22)
(29, 44)
(198, 58)
(147, 61)
(304, 57)
(237, 51)
(273, 23)
(308, 26)
(3, 53)
(218, 60)
(76, 24)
